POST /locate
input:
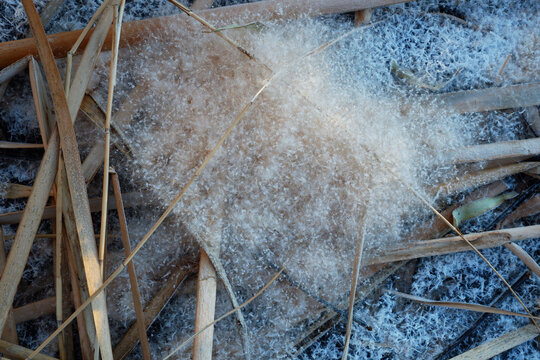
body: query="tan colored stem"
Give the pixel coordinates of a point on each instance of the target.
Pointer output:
(500, 344)
(16, 145)
(27, 229)
(136, 31)
(448, 245)
(35, 310)
(496, 98)
(495, 151)
(131, 269)
(10, 330)
(116, 29)
(130, 200)
(206, 305)
(18, 352)
(525, 257)
(354, 282)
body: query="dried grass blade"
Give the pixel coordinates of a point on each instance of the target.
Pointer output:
(458, 305)
(500, 344)
(58, 257)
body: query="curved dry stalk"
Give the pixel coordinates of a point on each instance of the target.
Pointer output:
(525, 257)
(459, 305)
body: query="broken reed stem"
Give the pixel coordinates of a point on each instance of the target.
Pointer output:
(354, 280)
(78, 43)
(274, 278)
(131, 269)
(116, 29)
(205, 309)
(58, 256)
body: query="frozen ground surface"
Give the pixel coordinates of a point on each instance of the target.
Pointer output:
(286, 172)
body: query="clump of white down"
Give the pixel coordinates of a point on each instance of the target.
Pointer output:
(315, 150)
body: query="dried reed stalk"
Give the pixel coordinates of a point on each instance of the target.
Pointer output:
(448, 245)
(27, 229)
(116, 30)
(525, 257)
(35, 310)
(131, 269)
(134, 32)
(17, 145)
(75, 181)
(482, 177)
(14, 68)
(42, 103)
(130, 200)
(495, 151)
(489, 99)
(82, 35)
(500, 344)
(10, 330)
(58, 258)
(19, 352)
(205, 310)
